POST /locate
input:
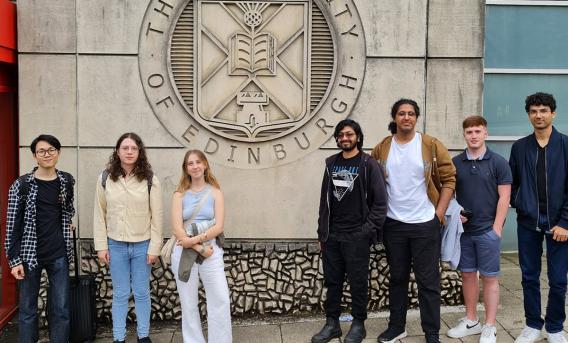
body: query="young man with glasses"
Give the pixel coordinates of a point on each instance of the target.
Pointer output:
(352, 210)
(38, 224)
(483, 188)
(420, 180)
(539, 163)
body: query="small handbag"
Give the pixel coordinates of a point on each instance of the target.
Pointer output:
(168, 248)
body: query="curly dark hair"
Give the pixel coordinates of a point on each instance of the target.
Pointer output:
(142, 169)
(538, 99)
(355, 126)
(394, 110)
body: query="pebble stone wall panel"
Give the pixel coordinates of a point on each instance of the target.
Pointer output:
(265, 278)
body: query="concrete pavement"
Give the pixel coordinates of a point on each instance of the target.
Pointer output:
(510, 320)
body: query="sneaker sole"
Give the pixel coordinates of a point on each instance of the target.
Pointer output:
(401, 336)
(466, 335)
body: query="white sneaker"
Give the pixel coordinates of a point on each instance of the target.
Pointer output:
(488, 334)
(465, 327)
(529, 335)
(556, 337)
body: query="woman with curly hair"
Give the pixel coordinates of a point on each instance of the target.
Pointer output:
(198, 215)
(127, 230)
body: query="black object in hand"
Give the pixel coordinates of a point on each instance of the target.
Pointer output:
(466, 213)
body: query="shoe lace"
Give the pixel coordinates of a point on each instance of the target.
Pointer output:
(487, 331)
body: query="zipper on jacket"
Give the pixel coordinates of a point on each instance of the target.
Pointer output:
(546, 189)
(536, 183)
(327, 201)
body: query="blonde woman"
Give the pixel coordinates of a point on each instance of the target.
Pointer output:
(197, 222)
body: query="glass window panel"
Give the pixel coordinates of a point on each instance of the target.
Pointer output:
(509, 237)
(504, 101)
(526, 37)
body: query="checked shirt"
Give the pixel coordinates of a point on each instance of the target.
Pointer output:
(21, 233)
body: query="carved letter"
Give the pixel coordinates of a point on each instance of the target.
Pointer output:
(256, 157)
(151, 29)
(279, 151)
(322, 124)
(211, 148)
(300, 144)
(345, 81)
(155, 80)
(347, 10)
(350, 31)
(164, 6)
(165, 101)
(189, 132)
(230, 159)
(339, 108)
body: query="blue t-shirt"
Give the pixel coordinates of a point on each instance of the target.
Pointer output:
(476, 188)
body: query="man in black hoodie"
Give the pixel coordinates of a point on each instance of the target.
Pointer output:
(352, 211)
(539, 163)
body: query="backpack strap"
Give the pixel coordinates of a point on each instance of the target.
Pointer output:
(24, 189)
(149, 180)
(104, 177)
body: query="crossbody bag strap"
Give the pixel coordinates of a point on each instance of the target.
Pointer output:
(199, 205)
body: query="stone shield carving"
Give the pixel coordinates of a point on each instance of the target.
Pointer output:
(254, 84)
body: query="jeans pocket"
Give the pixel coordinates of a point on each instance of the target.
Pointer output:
(493, 235)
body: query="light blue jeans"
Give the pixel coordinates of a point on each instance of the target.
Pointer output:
(129, 270)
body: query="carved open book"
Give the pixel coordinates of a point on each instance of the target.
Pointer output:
(252, 53)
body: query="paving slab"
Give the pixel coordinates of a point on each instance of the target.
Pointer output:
(257, 334)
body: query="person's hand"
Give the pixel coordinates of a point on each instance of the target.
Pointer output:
(188, 242)
(440, 216)
(207, 251)
(559, 234)
(18, 272)
(104, 257)
(72, 227)
(498, 230)
(151, 259)
(463, 219)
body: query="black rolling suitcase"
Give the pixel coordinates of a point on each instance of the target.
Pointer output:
(83, 303)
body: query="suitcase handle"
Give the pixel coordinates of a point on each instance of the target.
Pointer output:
(76, 258)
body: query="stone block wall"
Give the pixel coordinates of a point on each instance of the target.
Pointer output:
(265, 278)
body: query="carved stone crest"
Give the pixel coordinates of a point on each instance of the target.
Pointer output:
(252, 83)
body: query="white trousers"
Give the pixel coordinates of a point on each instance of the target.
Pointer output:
(212, 275)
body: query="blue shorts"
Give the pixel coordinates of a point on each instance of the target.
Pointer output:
(481, 253)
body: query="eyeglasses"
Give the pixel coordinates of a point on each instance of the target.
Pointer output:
(43, 152)
(129, 148)
(404, 114)
(345, 134)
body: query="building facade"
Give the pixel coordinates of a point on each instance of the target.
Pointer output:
(257, 85)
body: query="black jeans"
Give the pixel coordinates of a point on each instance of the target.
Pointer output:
(351, 258)
(416, 245)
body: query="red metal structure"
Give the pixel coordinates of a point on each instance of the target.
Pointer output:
(8, 144)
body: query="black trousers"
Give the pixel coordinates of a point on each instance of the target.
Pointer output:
(351, 258)
(416, 245)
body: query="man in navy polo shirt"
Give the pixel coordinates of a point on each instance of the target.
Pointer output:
(483, 189)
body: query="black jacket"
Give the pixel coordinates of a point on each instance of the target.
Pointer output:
(373, 195)
(524, 195)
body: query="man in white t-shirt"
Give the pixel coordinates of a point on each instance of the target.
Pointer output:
(420, 180)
